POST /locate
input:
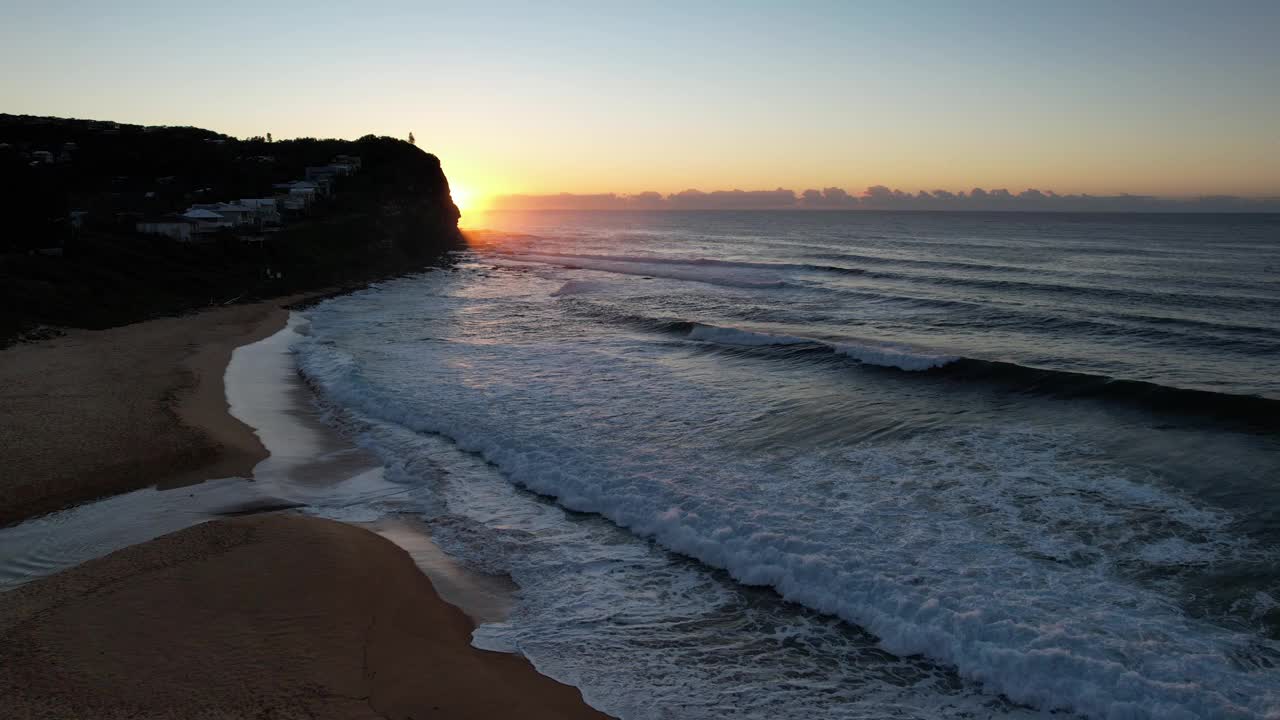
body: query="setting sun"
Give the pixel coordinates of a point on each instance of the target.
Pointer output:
(462, 197)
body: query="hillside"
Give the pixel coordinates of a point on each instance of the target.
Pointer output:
(74, 192)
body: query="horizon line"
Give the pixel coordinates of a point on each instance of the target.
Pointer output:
(1004, 211)
(881, 197)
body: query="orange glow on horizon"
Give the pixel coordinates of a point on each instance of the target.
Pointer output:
(474, 196)
(462, 197)
(473, 206)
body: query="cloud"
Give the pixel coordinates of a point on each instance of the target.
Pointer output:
(779, 199)
(881, 197)
(566, 201)
(649, 200)
(832, 198)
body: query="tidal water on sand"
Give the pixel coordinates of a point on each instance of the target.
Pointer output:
(847, 465)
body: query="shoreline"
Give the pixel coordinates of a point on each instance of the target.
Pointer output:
(268, 616)
(95, 413)
(245, 635)
(311, 463)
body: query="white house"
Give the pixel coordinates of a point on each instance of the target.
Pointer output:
(176, 227)
(322, 173)
(237, 214)
(314, 173)
(265, 210)
(300, 192)
(352, 160)
(292, 202)
(320, 187)
(207, 220)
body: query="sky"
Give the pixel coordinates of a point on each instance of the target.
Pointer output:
(1153, 98)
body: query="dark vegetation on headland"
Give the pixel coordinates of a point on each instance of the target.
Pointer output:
(72, 192)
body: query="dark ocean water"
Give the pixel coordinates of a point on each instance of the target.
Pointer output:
(997, 464)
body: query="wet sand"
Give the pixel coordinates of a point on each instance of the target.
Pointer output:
(313, 464)
(273, 616)
(95, 413)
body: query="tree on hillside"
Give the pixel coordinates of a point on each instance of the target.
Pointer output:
(411, 140)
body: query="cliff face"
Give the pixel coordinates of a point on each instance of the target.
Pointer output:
(409, 195)
(395, 215)
(79, 187)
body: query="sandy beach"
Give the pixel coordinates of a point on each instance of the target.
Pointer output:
(271, 616)
(94, 413)
(275, 615)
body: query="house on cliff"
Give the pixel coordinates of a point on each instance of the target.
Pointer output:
(235, 213)
(342, 166)
(207, 220)
(317, 173)
(176, 227)
(266, 211)
(298, 196)
(351, 160)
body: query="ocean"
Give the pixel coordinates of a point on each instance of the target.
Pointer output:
(845, 465)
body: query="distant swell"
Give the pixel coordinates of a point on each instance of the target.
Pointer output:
(883, 354)
(1259, 412)
(727, 274)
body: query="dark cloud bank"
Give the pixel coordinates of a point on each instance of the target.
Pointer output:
(879, 197)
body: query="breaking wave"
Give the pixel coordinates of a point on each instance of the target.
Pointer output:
(1260, 413)
(726, 274)
(884, 355)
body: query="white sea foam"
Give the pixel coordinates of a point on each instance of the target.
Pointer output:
(671, 633)
(894, 356)
(733, 336)
(579, 287)
(726, 276)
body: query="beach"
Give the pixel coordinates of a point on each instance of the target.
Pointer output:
(267, 615)
(97, 412)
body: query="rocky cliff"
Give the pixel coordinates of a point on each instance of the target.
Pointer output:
(73, 191)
